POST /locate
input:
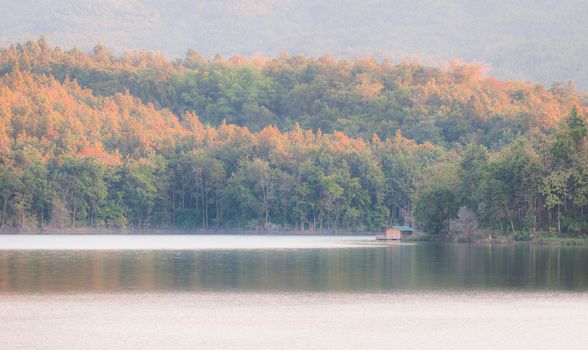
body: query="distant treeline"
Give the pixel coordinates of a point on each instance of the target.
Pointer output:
(361, 97)
(89, 139)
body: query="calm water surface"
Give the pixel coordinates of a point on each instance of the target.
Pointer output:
(103, 264)
(262, 292)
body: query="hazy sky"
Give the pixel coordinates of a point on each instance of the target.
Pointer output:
(539, 40)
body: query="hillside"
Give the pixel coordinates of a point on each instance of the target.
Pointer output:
(531, 40)
(359, 97)
(139, 141)
(69, 157)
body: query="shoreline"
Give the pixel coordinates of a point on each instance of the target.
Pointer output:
(172, 231)
(502, 240)
(506, 240)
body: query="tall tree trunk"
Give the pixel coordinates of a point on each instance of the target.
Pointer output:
(75, 208)
(206, 207)
(558, 220)
(202, 198)
(509, 216)
(301, 222)
(217, 208)
(314, 223)
(285, 219)
(173, 194)
(4, 206)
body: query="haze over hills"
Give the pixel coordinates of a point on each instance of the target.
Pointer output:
(538, 40)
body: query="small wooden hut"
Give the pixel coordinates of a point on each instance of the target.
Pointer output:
(396, 233)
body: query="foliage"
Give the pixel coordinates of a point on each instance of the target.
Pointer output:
(437, 199)
(359, 97)
(84, 142)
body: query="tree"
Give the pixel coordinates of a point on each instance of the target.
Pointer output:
(471, 168)
(9, 186)
(437, 199)
(140, 193)
(253, 187)
(555, 190)
(509, 189)
(82, 185)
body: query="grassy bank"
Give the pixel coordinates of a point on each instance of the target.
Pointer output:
(485, 238)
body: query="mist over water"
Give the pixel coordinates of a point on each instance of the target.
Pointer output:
(178, 242)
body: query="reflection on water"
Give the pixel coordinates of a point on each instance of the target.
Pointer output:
(433, 267)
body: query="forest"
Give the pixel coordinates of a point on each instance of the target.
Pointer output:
(139, 141)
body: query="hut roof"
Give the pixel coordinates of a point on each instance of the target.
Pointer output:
(403, 228)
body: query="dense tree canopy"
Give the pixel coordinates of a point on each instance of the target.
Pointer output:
(90, 139)
(359, 97)
(71, 158)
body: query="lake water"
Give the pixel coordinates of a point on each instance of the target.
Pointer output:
(256, 292)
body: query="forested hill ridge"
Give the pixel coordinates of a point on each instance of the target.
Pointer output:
(90, 139)
(359, 97)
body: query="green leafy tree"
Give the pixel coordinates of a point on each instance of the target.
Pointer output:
(437, 199)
